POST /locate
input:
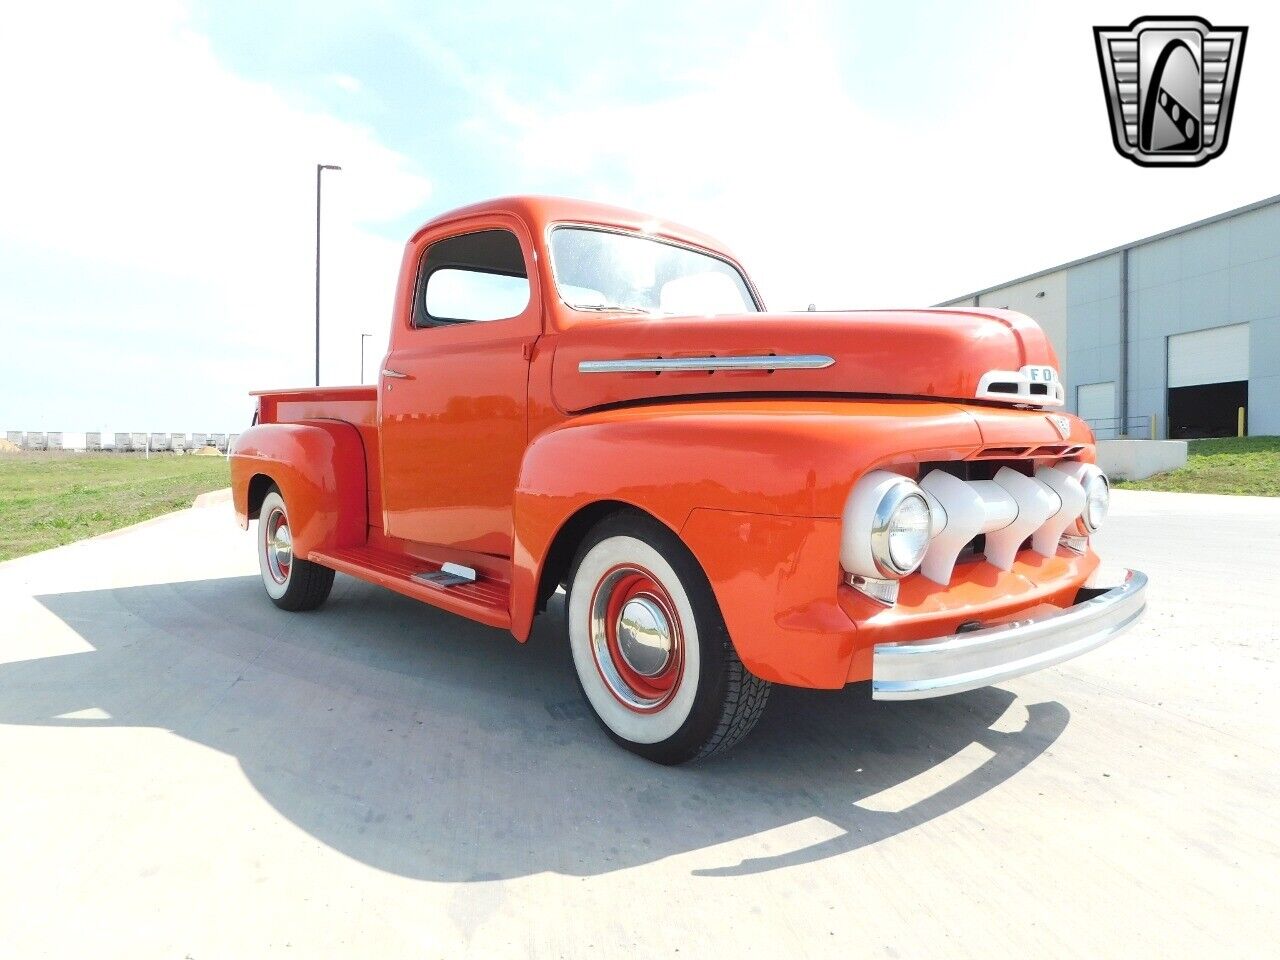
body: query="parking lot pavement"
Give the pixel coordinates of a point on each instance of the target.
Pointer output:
(188, 771)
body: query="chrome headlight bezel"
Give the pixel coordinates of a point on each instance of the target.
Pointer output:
(872, 516)
(1098, 484)
(888, 521)
(1094, 482)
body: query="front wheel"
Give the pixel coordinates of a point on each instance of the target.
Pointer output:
(292, 584)
(650, 648)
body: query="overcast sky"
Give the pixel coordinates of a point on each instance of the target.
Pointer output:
(157, 169)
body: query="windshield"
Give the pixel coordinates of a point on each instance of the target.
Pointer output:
(599, 270)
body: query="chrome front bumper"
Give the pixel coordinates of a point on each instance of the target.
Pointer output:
(965, 661)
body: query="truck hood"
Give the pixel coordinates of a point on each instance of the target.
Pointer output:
(951, 354)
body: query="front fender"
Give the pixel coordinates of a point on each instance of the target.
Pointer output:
(781, 458)
(319, 466)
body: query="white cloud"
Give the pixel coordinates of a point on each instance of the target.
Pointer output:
(1004, 165)
(156, 209)
(344, 81)
(134, 154)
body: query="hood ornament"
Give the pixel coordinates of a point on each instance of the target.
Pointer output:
(1033, 385)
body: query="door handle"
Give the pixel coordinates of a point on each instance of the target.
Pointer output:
(396, 374)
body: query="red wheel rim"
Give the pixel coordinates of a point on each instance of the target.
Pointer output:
(278, 545)
(636, 638)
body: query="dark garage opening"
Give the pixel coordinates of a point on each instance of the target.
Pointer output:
(1207, 409)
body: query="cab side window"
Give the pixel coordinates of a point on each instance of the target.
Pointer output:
(474, 277)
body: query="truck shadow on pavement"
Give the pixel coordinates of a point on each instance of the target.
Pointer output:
(439, 749)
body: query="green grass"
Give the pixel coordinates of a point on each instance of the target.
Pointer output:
(48, 499)
(1244, 465)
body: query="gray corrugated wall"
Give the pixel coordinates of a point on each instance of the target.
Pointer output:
(1093, 325)
(1216, 275)
(1211, 276)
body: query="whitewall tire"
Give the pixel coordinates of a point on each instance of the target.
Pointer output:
(291, 583)
(650, 649)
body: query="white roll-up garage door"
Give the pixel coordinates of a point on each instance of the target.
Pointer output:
(1220, 355)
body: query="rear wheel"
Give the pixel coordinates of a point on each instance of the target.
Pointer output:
(292, 584)
(650, 648)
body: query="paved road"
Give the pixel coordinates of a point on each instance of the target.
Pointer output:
(186, 771)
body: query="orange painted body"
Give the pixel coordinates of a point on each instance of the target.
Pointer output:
(493, 447)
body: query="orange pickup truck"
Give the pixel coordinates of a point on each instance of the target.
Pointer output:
(585, 398)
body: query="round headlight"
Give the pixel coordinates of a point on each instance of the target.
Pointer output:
(900, 532)
(1097, 501)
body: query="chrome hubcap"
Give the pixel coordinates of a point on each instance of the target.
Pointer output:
(636, 638)
(282, 544)
(644, 636)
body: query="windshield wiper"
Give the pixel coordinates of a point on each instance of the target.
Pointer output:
(606, 308)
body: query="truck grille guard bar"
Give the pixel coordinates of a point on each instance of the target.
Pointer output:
(1008, 509)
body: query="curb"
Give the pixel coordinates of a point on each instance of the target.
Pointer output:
(212, 498)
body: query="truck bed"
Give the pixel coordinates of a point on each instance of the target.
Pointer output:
(357, 406)
(352, 404)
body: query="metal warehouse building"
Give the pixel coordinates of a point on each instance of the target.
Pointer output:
(1183, 326)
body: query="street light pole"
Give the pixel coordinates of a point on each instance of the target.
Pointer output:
(362, 339)
(320, 168)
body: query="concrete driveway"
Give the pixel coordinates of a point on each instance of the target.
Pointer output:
(186, 771)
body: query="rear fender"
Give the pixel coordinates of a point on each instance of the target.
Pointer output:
(319, 466)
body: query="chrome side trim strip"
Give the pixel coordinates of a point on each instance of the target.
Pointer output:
(965, 661)
(803, 361)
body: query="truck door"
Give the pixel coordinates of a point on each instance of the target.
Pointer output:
(453, 391)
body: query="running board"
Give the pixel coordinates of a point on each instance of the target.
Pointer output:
(451, 586)
(449, 575)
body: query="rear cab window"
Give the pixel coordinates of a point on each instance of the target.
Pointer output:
(471, 278)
